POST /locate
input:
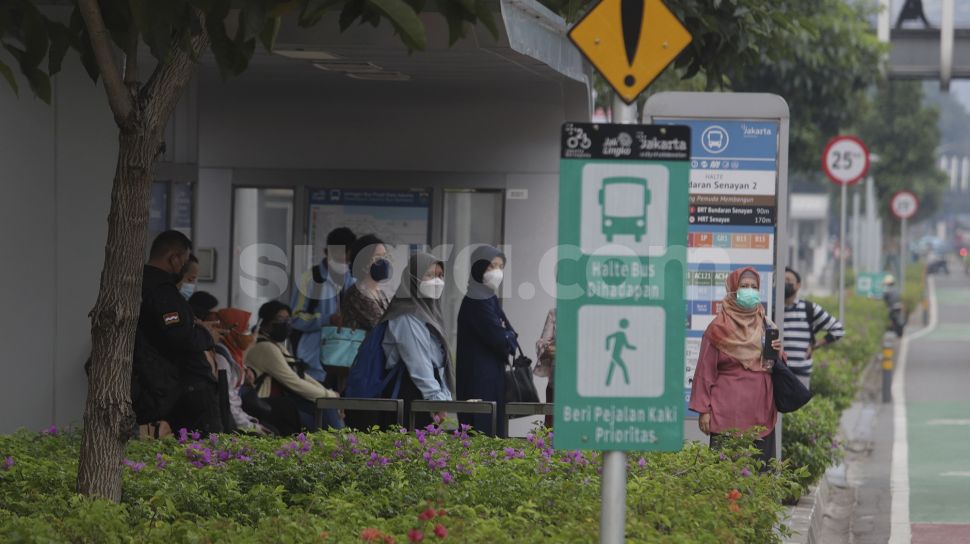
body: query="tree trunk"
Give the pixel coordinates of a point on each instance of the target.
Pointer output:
(109, 419)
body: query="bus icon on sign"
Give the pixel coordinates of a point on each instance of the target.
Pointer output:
(714, 139)
(624, 202)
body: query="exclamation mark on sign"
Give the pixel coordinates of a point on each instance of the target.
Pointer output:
(631, 20)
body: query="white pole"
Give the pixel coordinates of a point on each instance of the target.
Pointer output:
(884, 21)
(842, 256)
(901, 282)
(613, 482)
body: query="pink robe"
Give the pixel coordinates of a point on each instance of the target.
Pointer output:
(735, 397)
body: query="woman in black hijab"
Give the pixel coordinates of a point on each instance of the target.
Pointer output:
(485, 339)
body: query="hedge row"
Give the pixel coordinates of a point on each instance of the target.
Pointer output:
(427, 485)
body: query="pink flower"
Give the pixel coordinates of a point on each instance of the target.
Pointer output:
(8, 463)
(415, 535)
(52, 430)
(370, 534)
(745, 472)
(446, 477)
(642, 463)
(427, 515)
(440, 531)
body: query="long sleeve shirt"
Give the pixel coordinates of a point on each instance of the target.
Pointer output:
(736, 398)
(409, 341)
(270, 358)
(314, 303)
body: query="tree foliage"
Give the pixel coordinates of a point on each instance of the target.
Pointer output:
(904, 132)
(234, 29)
(822, 66)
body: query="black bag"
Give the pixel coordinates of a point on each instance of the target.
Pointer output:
(519, 386)
(790, 393)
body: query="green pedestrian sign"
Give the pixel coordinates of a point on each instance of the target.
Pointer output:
(623, 216)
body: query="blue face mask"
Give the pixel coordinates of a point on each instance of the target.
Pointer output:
(380, 270)
(748, 298)
(187, 290)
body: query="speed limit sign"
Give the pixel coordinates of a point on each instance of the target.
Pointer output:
(904, 204)
(845, 160)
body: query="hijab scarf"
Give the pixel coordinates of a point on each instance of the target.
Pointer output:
(237, 341)
(481, 260)
(409, 301)
(736, 331)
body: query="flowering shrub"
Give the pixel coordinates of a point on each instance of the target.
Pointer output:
(426, 486)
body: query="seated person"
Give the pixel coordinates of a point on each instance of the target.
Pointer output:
(280, 374)
(230, 357)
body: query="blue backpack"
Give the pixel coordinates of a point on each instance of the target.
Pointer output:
(368, 376)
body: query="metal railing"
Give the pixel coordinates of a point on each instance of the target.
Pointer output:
(525, 409)
(370, 405)
(460, 407)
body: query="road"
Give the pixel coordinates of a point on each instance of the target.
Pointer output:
(936, 396)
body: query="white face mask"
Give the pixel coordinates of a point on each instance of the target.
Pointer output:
(339, 269)
(493, 279)
(432, 289)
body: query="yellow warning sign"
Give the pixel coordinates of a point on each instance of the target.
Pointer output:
(630, 42)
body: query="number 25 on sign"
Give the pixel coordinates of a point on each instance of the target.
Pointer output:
(845, 160)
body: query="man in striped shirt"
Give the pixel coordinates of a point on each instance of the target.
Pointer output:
(803, 321)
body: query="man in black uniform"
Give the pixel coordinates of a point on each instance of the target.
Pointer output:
(167, 323)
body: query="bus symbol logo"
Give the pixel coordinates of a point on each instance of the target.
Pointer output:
(624, 202)
(714, 139)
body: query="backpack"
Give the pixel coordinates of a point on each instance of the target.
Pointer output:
(368, 376)
(810, 314)
(311, 307)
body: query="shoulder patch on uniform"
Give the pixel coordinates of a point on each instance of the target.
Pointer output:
(171, 319)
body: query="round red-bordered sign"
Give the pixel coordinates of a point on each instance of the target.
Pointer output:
(904, 204)
(845, 160)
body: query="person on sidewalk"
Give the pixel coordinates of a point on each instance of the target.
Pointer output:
(546, 355)
(804, 320)
(316, 300)
(732, 388)
(486, 340)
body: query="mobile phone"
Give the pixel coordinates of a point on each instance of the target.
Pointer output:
(770, 352)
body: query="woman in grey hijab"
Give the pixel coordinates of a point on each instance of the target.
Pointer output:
(415, 335)
(485, 339)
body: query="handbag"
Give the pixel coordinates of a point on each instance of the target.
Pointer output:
(790, 393)
(519, 386)
(339, 346)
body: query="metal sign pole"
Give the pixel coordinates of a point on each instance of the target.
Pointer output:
(613, 481)
(901, 282)
(842, 256)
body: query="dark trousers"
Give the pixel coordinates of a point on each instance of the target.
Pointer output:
(549, 401)
(197, 408)
(765, 445)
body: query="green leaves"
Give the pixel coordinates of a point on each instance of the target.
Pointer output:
(405, 21)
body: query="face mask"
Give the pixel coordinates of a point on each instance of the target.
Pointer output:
(789, 290)
(337, 268)
(187, 290)
(279, 332)
(380, 270)
(493, 279)
(432, 289)
(748, 298)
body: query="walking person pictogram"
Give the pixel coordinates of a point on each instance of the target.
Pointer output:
(620, 343)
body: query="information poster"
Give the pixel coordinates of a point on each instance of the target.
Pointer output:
(397, 217)
(732, 215)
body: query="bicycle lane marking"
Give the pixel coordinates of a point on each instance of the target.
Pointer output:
(901, 531)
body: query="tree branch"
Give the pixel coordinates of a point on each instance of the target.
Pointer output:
(118, 98)
(163, 89)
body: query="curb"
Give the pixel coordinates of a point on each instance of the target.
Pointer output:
(805, 518)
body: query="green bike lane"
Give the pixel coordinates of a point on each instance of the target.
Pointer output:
(937, 397)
